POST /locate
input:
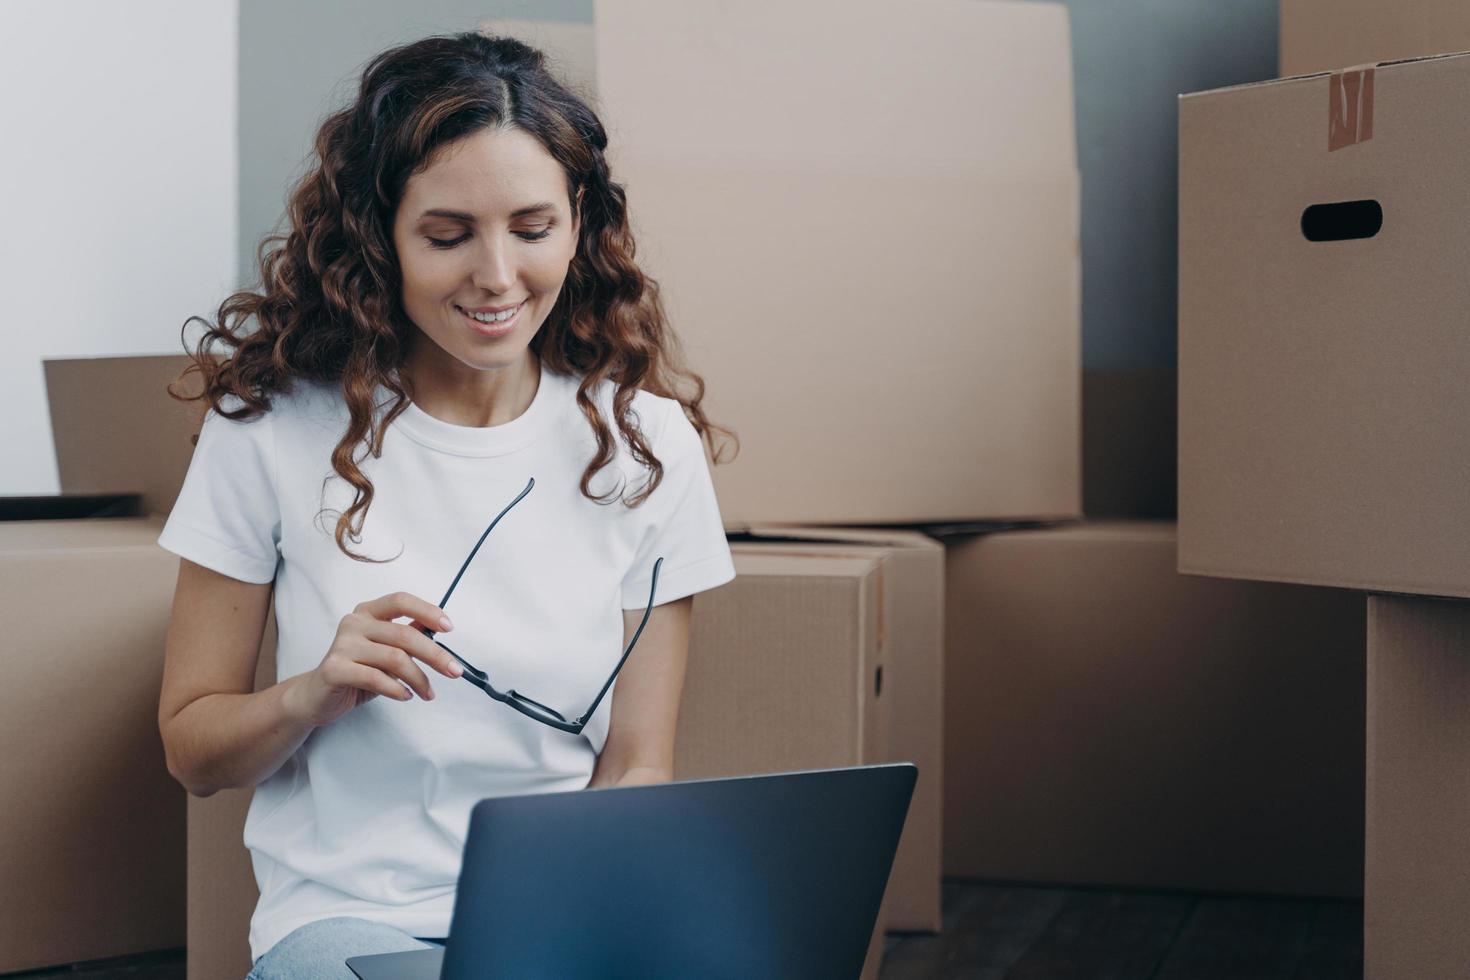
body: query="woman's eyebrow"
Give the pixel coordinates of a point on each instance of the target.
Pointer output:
(469, 219)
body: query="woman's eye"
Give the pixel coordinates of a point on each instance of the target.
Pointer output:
(530, 236)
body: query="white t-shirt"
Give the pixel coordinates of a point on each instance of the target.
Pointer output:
(368, 817)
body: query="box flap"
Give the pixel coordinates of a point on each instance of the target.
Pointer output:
(1347, 69)
(117, 429)
(882, 536)
(755, 560)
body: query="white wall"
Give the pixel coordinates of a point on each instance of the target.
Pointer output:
(118, 193)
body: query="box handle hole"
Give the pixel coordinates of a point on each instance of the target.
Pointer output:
(1342, 221)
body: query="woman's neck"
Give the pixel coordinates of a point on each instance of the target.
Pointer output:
(475, 398)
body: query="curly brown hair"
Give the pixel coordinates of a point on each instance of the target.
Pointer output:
(329, 304)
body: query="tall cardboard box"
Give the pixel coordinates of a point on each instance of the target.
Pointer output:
(1111, 722)
(1327, 35)
(882, 293)
(91, 853)
(784, 673)
(93, 824)
(911, 638)
(1323, 354)
(1418, 872)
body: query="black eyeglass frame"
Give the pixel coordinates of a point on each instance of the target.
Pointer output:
(535, 710)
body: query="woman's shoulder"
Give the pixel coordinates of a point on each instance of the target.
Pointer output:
(304, 418)
(298, 396)
(650, 413)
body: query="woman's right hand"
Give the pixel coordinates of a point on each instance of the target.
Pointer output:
(371, 655)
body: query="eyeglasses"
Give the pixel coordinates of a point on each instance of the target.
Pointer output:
(535, 709)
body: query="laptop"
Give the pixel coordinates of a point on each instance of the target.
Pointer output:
(776, 875)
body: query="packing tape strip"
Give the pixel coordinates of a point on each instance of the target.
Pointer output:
(1350, 106)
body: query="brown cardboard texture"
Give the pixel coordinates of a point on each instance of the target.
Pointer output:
(783, 672)
(91, 854)
(1112, 722)
(1418, 870)
(912, 656)
(881, 293)
(1322, 394)
(1328, 35)
(143, 441)
(94, 821)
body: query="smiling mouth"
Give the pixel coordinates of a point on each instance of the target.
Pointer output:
(497, 328)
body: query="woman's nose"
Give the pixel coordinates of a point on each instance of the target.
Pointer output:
(495, 270)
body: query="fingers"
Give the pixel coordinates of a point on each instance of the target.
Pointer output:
(367, 678)
(394, 604)
(398, 665)
(410, 638)
(407, 642)
(392, 647)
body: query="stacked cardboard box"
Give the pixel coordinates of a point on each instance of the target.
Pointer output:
(759, 691)
(1418, 876)
(1323, 401)
(1112, 722)
(92, 819)
(747, 651)
(882, 293)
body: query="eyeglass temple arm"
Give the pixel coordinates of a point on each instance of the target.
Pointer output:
(652, 589)
(529, 484)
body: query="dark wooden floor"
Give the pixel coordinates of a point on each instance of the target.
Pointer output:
(1024, 932)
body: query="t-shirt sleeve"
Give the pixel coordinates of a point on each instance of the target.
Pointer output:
(681, 522)
(227, 516)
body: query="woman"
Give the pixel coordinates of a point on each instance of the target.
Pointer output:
(457, 296)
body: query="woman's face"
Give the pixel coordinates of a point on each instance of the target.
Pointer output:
(482, 253)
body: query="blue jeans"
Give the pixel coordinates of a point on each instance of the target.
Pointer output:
(319, 950)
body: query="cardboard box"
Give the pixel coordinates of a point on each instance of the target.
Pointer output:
(91, 853)
(1418, 872)
(911, 637)
(882, 295)
(1322, 383)
(1111, 722)
(142, 443)
(95, 822)
(784, 673)
(1327, 35)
